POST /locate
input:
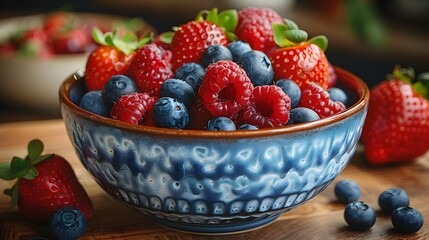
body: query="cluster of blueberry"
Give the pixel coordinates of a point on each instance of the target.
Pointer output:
(171, 109)
(393, 201)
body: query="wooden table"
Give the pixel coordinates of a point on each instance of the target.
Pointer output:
(320, 218)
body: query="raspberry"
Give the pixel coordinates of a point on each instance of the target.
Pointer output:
(225, 88)
(269, 107)
(150, 68)
(132, 108)
(198, 115)
(314, 97)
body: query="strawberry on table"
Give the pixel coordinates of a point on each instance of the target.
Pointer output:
(396, 128)
(192, 38)
(45, 184)
(297, 58)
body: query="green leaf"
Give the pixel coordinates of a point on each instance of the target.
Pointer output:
(231, 36)
(228, 19)
(166, 37)
(279, 35)
(35, 148)
(31, 173)
(41, 158)
(290, 24)
(19, 166)
(127, 43)
(98, 36)
(144, 41)
(296, 35)
(14, 194)
(213, 16)
(321, 41)
(5, 172)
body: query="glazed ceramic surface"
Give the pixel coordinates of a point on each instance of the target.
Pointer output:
(214, 182)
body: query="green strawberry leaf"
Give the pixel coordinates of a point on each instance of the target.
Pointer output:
(126, 43)
(296, 35)
(5, 172)
(228, 19)
(144, 41)
(290, 24)
(19, 166)
(279, 37)
(98, 36)
(321, 41)
(213, 16)
(41, 158)
(14, 194)
(231, 36)
(166, 37)
(35, 148)
(31, 173)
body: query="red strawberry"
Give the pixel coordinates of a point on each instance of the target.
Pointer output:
(133, 108)
(45, 184)
(150, 68)
(297, 58)
(113, 57)
(254, 27)
(192, 38)
(225, 88)
(269, 107)
(397, 124)
(72, 41)
(316, 98)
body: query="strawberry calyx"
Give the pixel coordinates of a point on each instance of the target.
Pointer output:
(20, 168)
(126, 42)
(289, 34)
(408, 76)
(227, 20)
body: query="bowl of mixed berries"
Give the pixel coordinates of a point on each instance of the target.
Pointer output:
(218, 127)
(36, 51)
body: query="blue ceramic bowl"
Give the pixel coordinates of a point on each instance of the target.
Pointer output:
(214, 182)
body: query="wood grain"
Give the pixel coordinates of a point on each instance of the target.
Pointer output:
(320, 218)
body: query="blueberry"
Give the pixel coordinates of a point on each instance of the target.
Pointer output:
(93, 101)
(248, 127)
(302, 115)
(67, 224)
(215, 53)
(347, 191)
(258, 67)
(170, 113)
(178, 89)
(359, 215)
(291, 89)
(116, 87)
(337, 94)
(407, 220)
(192, 73)
(238, 48)
(392, 199)
(221, 124)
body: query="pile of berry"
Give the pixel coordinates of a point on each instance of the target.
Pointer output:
(247, 69)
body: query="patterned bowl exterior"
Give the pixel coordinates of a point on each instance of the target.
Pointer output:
(220, 182)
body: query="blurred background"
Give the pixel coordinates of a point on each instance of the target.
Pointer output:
(366, 37)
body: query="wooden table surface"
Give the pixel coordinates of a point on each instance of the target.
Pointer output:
(320, 218)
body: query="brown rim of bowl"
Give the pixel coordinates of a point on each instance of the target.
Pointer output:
(347, 78)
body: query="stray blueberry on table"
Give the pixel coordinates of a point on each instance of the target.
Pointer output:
(407, 220)
(338, 94)
(291, 89)
(393, 198)
(221, 124)
(93, 101)
(192, 73)
(238, 48)
(178, 89)
(67, 224)
(116, 87)
(170, 113)
(347, 191)
(258, 67)
(359, 216)
(215, 53)
(302, 115)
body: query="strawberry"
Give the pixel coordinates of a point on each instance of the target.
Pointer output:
(192, 38)
(254, 27)
(150, 68)
(45, 184)
(112, 57)
(396, 128)
(297, 58)
(313, 96)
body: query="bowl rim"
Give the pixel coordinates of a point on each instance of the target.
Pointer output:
(350, 79)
